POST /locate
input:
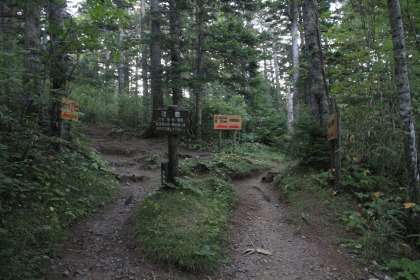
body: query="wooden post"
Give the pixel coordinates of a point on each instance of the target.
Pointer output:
(173, 153)
(336, 148)
(220, 142)
(164, 169)
(234, 140)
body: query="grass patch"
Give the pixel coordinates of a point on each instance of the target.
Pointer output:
(42, 192)
(225, 165)
(311, 202)
(186, 226)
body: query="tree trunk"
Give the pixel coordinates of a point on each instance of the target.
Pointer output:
(155, 56)
(175, 52)
(404, 99)
(155, 63)
(265, 62)
(57, 15)
(32, 59)
(276, 74)
(121, 68)
(295, 56)
(8, 19)
(198, 88)
(317, 86)
(144, 65)
(289, 110)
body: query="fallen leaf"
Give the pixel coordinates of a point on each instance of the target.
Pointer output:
(249, 252)
(264, 252)
(409, 205)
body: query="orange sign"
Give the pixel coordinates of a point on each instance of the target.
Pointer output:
(332, 132)
(232, 122)
(69, 110)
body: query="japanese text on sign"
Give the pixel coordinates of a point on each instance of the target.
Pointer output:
(172, 122)
(233, 122)
(332, 132)
(69, 110)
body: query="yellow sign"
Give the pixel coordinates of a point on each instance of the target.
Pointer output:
(232, 122)
(69, 110)
(332, 132)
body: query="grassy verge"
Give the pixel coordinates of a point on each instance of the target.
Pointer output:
(186, 226)
(42, 192)
(369, 224)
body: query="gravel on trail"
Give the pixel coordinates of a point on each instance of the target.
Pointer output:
(261, 243)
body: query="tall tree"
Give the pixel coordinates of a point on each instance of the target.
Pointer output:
(293, 16)
(155, 56)
(198, 87)
(58, 71)
(318, 97)
(121, 66)
(143, 61)
(404, 98)
(32, 56)
(175, 52)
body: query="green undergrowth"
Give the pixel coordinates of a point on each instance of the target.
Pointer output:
(185, 226)
(42, 192)
(367, 216)
(232, 166)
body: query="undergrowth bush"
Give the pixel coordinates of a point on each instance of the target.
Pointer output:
(225, 165)
(42, 192)
(308, 143)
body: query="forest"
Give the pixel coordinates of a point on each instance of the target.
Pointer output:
(284, 66)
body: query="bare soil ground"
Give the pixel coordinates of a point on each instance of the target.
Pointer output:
(102, 246)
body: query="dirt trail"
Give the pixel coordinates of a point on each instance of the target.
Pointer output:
(102, 246)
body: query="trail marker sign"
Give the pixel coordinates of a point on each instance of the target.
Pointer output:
(175, 121)
(69, 110)
(332, 132)
(228, 122)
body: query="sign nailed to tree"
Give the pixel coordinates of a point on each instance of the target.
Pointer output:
(69, 109)
(176, 121)
(332, 131)
(228, 122)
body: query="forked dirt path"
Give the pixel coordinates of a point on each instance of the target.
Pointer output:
(102, 246)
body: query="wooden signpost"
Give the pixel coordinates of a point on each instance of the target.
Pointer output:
(332, 132)
(173, 122)
(227, 122)
(333, 135)
(69, 110)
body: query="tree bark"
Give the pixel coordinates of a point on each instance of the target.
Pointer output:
(121, 68)
(32, 58)
(155, 63)
(198, 88)
(404, 99)
(175, 52)
(289, 110)
(317, 87)
(276, 74)
(144, 65)
(294, 14)
(155, 56)
(58, 71)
